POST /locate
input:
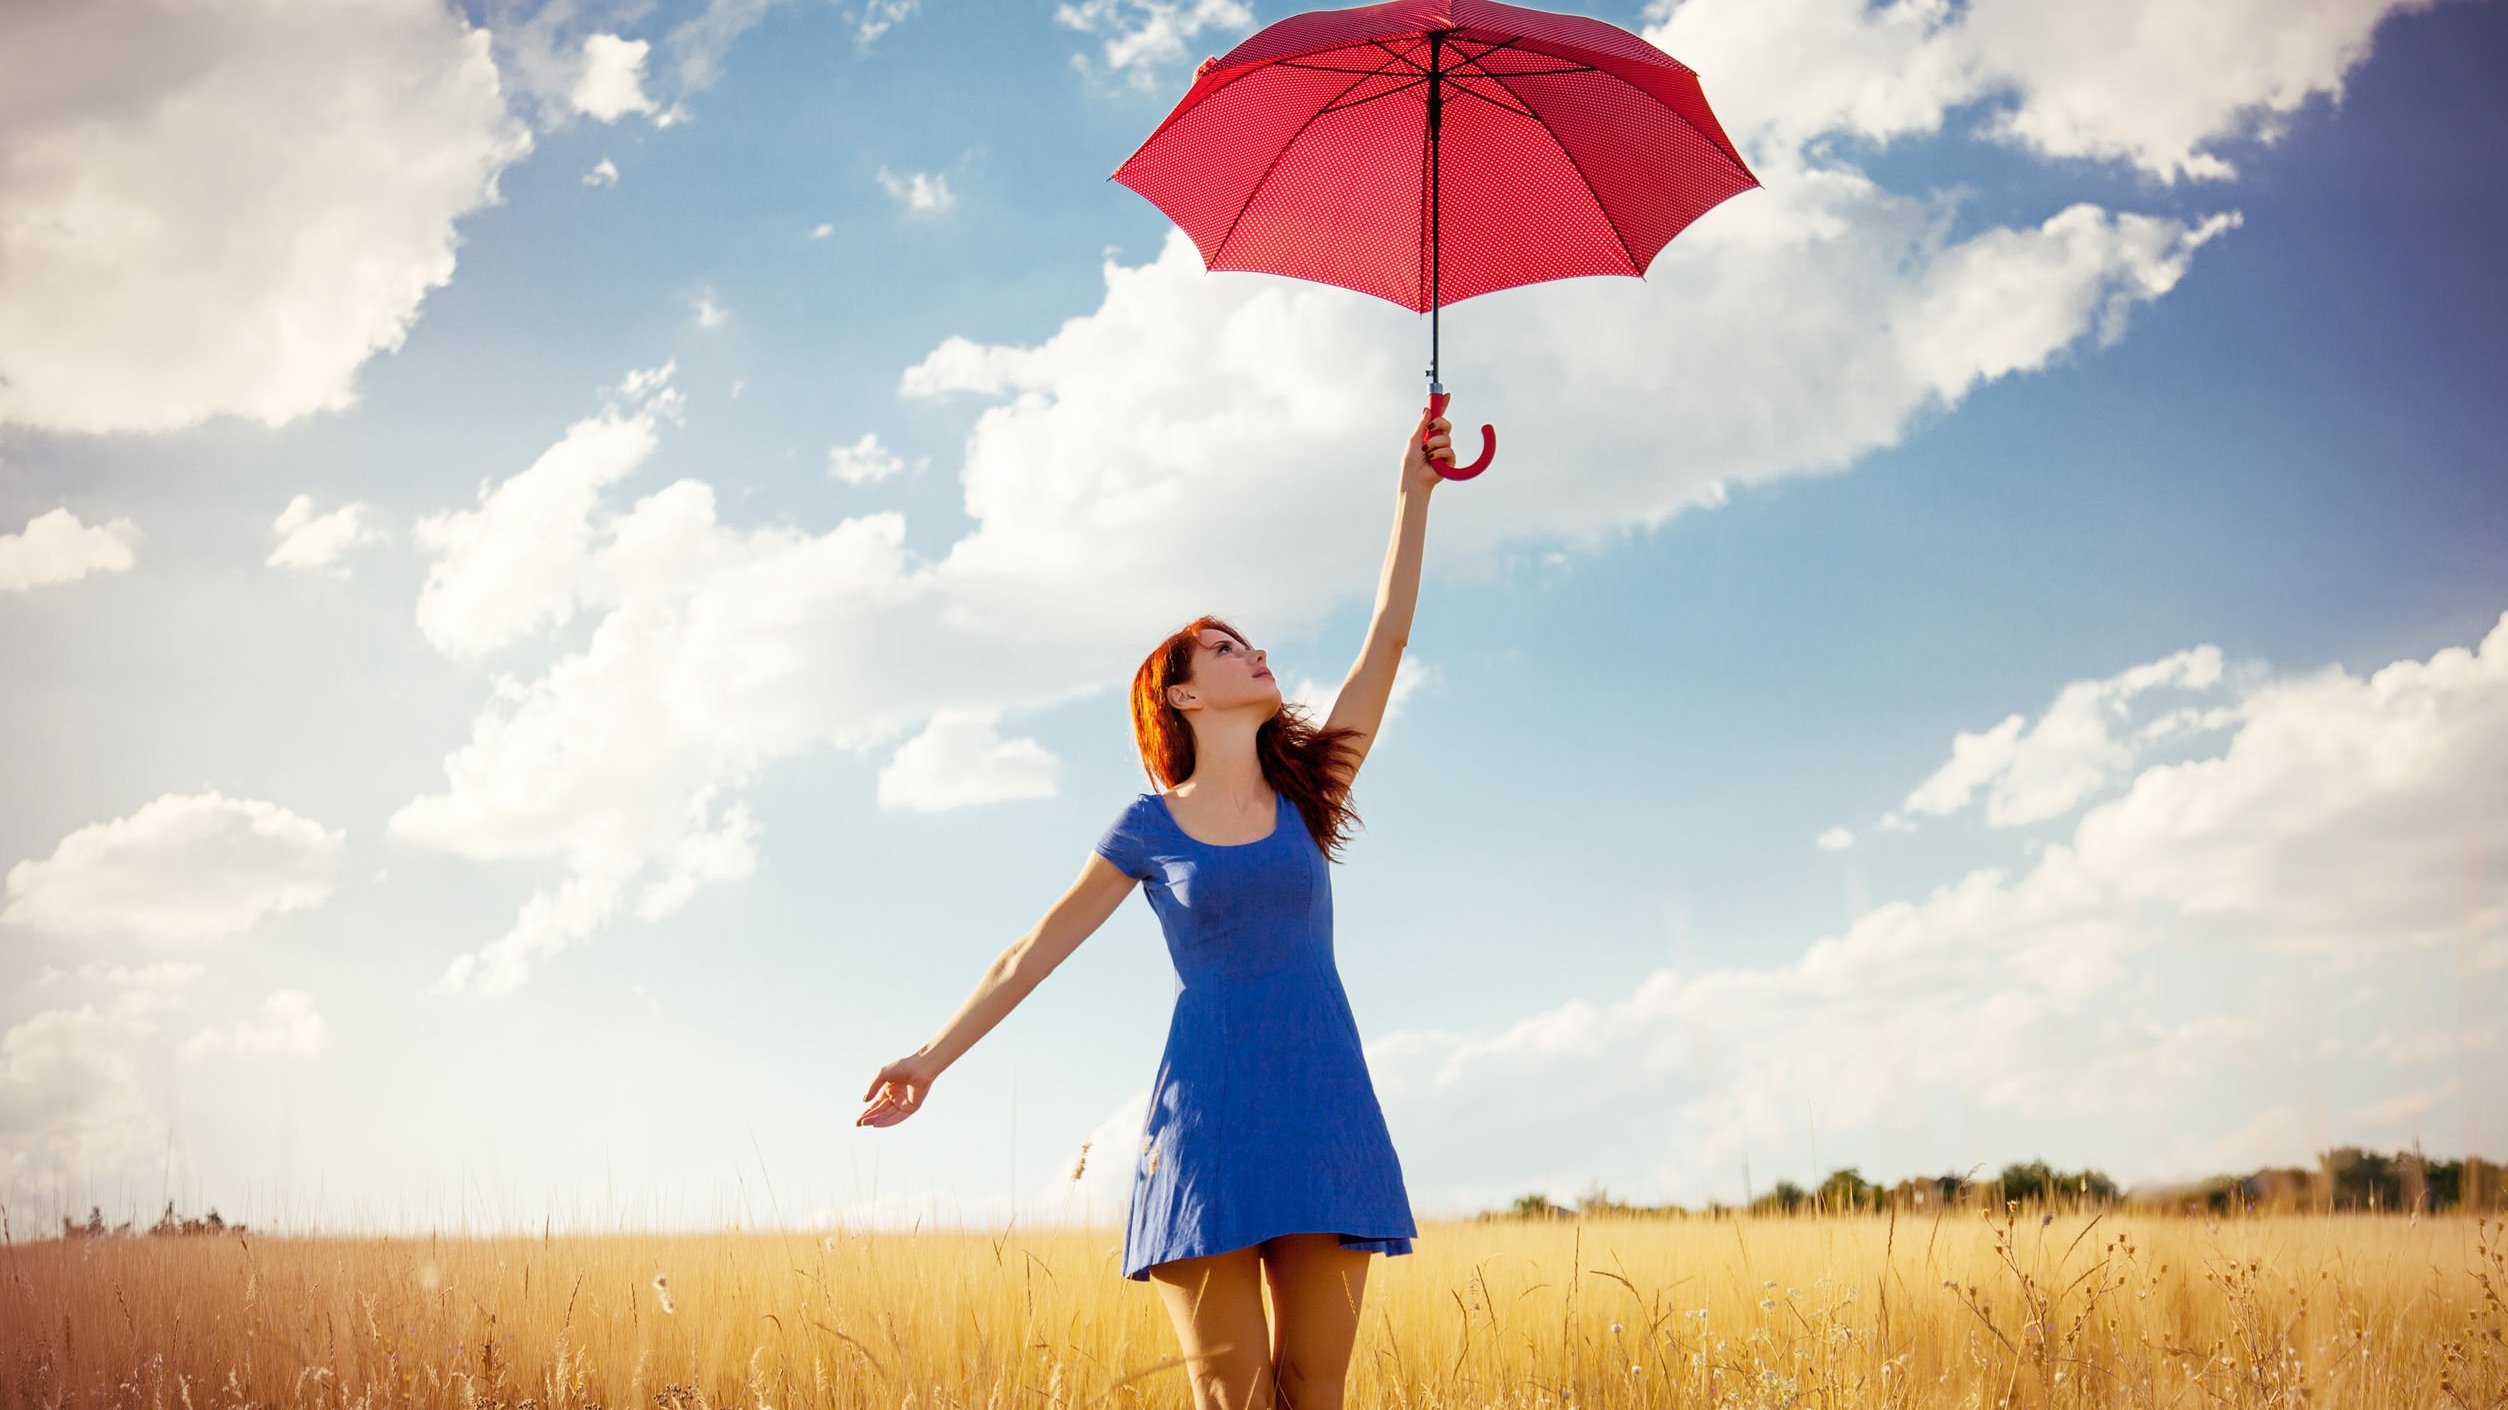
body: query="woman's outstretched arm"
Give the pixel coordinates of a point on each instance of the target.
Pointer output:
(1369, 687)
(897, 1090)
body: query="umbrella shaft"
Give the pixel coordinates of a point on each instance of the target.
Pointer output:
(1436, 115)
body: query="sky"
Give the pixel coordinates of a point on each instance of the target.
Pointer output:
(569, 571)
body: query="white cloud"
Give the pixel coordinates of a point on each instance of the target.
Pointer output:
(611, 83)
(55, 548)
(2340, 819)
(1822, 316)
(918, 191)
(877, 17)
(961, 760)
(568, 65)
(73, 1106)
(184, 869)
(2153, 84)
(1836, 839)
(822, 230)
(866, 461)
(709, 313)
(719, 650)
(287, 1026)
(603, 173)
(1145, 38)
(700, 44)
(651, 386)
(524, 561)
(2073, 749)
(228, 212)
(2340, 828)
(517, 563)
(319, 541)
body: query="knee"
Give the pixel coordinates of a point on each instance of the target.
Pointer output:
(1300, 1389)
(1234, 1387)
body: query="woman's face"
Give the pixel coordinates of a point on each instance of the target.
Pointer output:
(1225, 673)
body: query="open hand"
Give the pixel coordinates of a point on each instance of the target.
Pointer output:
(898, 1091)
(1417, 470)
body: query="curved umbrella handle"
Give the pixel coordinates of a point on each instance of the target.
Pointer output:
(1488, 442)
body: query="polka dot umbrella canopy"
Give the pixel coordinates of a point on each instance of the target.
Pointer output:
(1321, 146)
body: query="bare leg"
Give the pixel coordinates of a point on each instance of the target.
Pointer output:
(1316, 1288)
(1217, 1304)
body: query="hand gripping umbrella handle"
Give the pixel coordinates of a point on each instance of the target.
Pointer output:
(1488, 442)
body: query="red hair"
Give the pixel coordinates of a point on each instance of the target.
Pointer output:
(1310, 763)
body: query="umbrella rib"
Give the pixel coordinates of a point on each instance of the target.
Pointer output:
(1239, 218)
(1392, 57)
(1493, 47)
(1607, 222)
(1399, 58)
(1476, 93)
(1501, 75)
(1336, 105)
(1475, 62)
(1516, 42)
(1404, 86)
(1328, 68)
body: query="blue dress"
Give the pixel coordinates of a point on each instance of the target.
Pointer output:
(1262, 1119)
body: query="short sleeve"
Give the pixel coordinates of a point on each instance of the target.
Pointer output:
(1125, 844)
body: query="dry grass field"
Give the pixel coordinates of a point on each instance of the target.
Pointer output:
(2003, 1308)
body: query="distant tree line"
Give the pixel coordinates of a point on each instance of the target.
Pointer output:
(2349, 1178)
(168, 1223)
(2346, 1179)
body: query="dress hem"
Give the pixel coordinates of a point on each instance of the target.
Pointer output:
(1391, 1245)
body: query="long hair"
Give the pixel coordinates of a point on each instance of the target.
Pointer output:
(1311, 763)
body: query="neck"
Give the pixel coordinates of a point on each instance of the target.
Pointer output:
(1225, 764)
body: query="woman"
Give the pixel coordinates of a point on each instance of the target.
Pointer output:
(1265, 1154)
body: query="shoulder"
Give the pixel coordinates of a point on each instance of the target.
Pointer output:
(1130, 839)
(1134, 814)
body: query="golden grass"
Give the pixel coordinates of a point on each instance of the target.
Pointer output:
(2006, 1308)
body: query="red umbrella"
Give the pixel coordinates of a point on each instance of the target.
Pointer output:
(1315, 149)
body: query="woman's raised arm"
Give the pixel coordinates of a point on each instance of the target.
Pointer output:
(1369, 686)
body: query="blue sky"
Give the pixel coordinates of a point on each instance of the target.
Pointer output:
(1993, 650)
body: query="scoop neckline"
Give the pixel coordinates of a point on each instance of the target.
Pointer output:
(1277, 798)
